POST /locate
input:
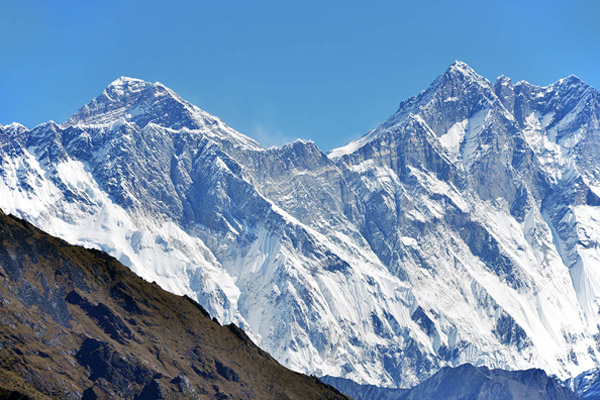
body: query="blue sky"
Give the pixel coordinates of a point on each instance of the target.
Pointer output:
(278, 70)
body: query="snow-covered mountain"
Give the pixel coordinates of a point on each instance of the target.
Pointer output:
(465, 228)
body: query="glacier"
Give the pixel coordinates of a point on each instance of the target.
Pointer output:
(463, 229)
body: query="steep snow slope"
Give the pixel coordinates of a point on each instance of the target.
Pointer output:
(173, 198)
(462, 229)
(476, 146)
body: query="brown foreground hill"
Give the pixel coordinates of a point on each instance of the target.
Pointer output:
(75, 323)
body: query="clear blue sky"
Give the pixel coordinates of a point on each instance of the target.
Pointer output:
(279, 70)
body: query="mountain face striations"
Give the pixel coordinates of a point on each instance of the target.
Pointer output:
(464, 229)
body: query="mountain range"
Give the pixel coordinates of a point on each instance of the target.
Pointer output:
(463, 229)
(77, 324)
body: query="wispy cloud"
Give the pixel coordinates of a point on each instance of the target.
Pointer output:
(269, 136)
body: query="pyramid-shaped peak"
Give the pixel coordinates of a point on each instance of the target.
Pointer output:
(571, 80)
(127, 97)
(135, 101)
(572, 84)
(460, 66)
(462, 69)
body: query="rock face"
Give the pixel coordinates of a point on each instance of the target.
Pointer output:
(464, 229)
(466, 382)
(75, 323)
(586, 385)
(470, 383)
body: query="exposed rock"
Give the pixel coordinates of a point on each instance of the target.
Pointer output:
(125, 338)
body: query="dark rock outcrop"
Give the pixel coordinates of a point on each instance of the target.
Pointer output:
(75, 323)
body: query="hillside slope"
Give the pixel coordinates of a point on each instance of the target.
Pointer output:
(76, 323)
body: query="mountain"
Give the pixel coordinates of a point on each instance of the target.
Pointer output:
(587, 384)
(75, 323)
(466, 382)
(464, 229)
(364, 392)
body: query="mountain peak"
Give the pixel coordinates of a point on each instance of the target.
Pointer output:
(126, 87)
(14, 126)
(503, 80)
(460, 66)
(126, 79)
(462, 69)
(9, 131)
(573, 78)
(571, 81)
(458, 81)
(126, 84)
(131, 98)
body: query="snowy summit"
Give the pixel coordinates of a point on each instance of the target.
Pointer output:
(463, 229)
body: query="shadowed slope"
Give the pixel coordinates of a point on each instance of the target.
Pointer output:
(76, 323)
(466, 383)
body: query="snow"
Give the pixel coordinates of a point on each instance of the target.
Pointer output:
(14, 126)
(96, 222)
(470, 149)
(408, 241)
(550, 154)
(352, 147)
(126, 98)
(453, 138)
(325, 265)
